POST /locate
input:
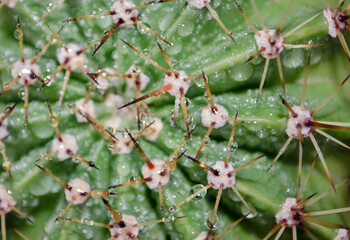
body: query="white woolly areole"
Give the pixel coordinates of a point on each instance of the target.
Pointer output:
(135, 75)
(218, 116)
(287, 215)
(152, 131)
(301, 121)
(342, 234)
(78, 191)
(10, 3)
(24, 70)
(124, 229)
(73, 58)
(113, 100)
(123, 11)
(197, 3)
(101, 83)
(6, 200)
(328, 15)
(122, 146)
(87, 109)
(113, 122)
(3, 128)
(66, 148)
(272, 44)
(224, 179)
(176, 83)
(159, 174)
(204, 236)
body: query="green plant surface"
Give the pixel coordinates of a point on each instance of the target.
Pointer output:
(198, 44)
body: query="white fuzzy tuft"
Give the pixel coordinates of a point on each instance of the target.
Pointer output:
(342, 234)
(301, 121)
(123, 11)
(78, 191)
(87, 109)
(271, 43)
(24, 70)
(204, 236)
(136, 75)
(334, 21)
(218, 116)
(65, 148)
(177, 83)
(6, 200)
(287, 215)
(159, 174)
(152, 132)
(73, 58)
(10, 3)
(122, 230)
(224, 179)
(197, 3)
(122, 146)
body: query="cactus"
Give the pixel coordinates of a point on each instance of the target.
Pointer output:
(198, 45)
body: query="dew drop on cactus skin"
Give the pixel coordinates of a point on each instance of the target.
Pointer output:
(216, 222)
(123, 168)
(176, 46)
(241, 72)
(234, 146)
(196, 188)
(185, 28)
(203, 157)
(293, 58)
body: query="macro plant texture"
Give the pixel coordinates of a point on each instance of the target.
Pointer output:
(197, 45)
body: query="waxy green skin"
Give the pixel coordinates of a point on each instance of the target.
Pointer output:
(206, 48)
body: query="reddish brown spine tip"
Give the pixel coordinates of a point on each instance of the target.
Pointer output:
(269, 168)
(104, 201)
(41, 168)
(92, 164)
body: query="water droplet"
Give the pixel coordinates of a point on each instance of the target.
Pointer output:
(53, 121)
(105, 33)
(190, 120)
(16, 34)
(176, 45)
(293, 58)
(76, 159)
(88, 222)
(111, 130)
(111, 146)
(168, 220)
(6, 165)
(171, 118)
(21, 93)
(94, 11)
(207, 141)
(5, 84)
(195, 189)
(199, 82)
(185, 28)
(169, 216)
(148, 52)
(143, 118)
(59, 211)
(188, 102)
(213, 225)
(234, 146)
(203, 156)
(134, 178)
(241, 72)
